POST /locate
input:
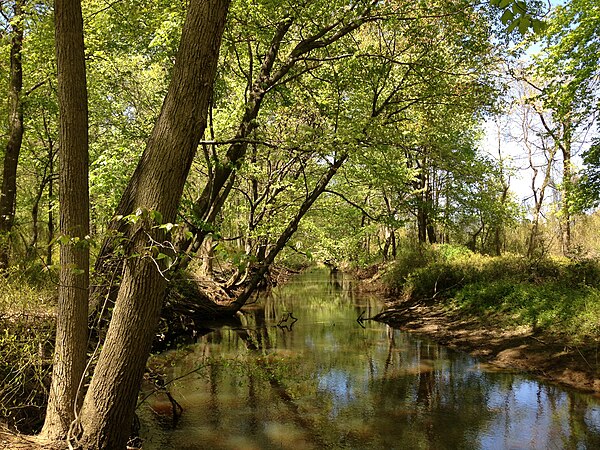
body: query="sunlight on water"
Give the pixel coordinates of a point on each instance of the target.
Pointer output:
(326, 382)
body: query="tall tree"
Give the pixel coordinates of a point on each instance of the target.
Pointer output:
(71, 325)
(109, 404)
(8, 194)
(567, 69)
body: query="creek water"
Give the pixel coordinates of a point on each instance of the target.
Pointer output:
(326, 382)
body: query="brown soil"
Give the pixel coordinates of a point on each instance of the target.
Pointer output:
(521, 349)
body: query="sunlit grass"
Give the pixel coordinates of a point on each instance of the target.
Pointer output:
(550, 294)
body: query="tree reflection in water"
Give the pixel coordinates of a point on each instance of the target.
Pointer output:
(328, 383)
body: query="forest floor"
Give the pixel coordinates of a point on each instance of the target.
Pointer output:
(13, 441)
(517, 349)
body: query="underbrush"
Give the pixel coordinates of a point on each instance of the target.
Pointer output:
(557, 295)
(26, 340)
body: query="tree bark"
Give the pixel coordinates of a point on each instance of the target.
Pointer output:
(567, 187)
(109, 404)
(8, 194)
(71, 327)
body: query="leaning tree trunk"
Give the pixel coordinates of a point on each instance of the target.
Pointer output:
(109, 404)
(71, 322)
(8, 194)
(286, 235)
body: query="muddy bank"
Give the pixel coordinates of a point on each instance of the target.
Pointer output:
(521, 349)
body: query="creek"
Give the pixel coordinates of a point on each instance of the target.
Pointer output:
(326, 380)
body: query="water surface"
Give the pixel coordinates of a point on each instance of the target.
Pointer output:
(325, 381)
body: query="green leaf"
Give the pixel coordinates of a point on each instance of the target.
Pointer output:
(156, 216)
(521, 6)
(512, 26)
(507, 17)
(538, 25)
(504, 3)
(524, 23)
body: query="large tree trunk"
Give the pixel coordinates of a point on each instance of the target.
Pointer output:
(15, 135)
(109, 405)
(71, 328)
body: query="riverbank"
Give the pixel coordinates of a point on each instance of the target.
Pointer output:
(541, 317)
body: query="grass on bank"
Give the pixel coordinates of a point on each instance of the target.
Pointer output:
(26, 344)
(555, 295)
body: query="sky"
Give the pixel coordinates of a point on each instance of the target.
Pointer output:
(502, 132)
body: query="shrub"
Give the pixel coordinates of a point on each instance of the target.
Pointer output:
(26, 339)
(25, 366)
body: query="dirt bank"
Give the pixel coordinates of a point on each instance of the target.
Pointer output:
(523, 350)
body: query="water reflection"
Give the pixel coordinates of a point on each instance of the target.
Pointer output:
(325, 382)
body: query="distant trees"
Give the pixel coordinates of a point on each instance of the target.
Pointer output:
(558, 105)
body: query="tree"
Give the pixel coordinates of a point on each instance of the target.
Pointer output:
(71, 324)
(109, 404)
(567, 70)
(8, 194)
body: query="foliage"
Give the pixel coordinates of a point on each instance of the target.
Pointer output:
(588, 186)
(402, 95)
(568, 66)
(518, 15)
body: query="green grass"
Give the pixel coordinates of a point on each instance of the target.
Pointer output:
(556, 295)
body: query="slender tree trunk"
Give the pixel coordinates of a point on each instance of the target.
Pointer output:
(50, 202)
(8, 194)
(108, 408)
(567, 187)
(422, 219)
(431, 202)
(538, 196)
(208, 255)
(71, 328)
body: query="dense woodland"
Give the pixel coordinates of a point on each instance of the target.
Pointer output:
(219, 139)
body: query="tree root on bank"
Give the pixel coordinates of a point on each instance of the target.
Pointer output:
(194, 305)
